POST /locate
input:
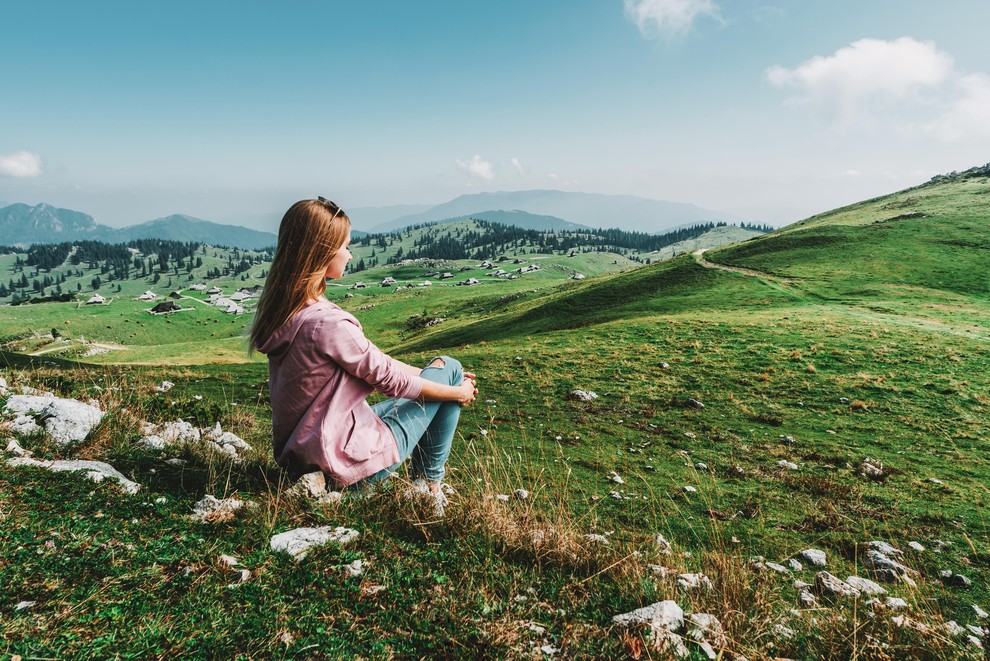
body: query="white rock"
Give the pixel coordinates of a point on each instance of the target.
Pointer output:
(866, 586)
(800, 585)
(980, 613)
(663, 545)
(689, 489)
(704, 627)
(916, 546)
(935, 480)
(164, 386)
(884, 548)
(313, 486)
(3, 386)
(94, 470)
(975, 630)
(229, 561)
(779, 569)
(298, 542)
(583, 395)
(783, 631)
(169, 433)
(599, 539)
(694, 582)
(669, 643)
(953, 629)
(974, 641)
(355, 568)
(787, 465)
(521, 494)
(65, 420)
(828, 584)
(210, 508)
(885, 568)
(708, 650)
(896, 604)
(14, 448)
(794, 564)
(814, 557)
(614, 477)
(807, 599)
(176, 462)
(700, 466)
(504, 497)
(23, 605)
(662, 614)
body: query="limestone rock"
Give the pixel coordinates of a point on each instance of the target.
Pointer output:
(783, 632)
(915, 546)
(297, 543)
(211, 509)
(692, 403)
(884, 568)
(168, 433)
(663, 545)
(807, 599)
(886, 549)
(814, 557)
(65, 420)
(598, 539)
(662, 614)
(313, 486)
(866, 586)
(521, 494)
(14, 448)
(787, 465)
(583, 395)
(94, 470)
(706, 628)
(980, 613)
(694, 582)
(669, 644)
(829, 585)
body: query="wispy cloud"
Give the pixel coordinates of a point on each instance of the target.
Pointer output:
(668, 18)
(905, 84)
(20, 164)
(517, 164)
(478, 166)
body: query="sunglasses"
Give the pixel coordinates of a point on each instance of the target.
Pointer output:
(331, 206)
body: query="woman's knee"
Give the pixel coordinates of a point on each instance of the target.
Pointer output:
(450, 366)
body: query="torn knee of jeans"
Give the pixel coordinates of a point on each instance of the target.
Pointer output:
(437, 362)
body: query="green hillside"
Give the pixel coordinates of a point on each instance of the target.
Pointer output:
(820, 387)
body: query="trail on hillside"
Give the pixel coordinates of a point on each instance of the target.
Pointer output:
(780, 284)
(64, 347)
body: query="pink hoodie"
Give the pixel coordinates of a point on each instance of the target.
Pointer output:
(321, 370)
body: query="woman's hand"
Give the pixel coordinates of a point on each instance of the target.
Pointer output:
(467, 390)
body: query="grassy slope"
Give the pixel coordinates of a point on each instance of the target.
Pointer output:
(842, 353)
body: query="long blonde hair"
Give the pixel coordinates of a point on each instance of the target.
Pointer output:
(311, 233)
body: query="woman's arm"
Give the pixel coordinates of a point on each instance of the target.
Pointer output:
(439, 392)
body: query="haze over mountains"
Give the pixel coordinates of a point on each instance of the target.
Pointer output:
(627, 212)
(21, 224)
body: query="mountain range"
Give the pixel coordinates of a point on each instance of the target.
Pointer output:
(627, 212)
(22, 225)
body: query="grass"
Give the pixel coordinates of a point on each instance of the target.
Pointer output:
(840, 353)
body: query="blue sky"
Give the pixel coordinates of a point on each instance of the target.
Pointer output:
(230, 111)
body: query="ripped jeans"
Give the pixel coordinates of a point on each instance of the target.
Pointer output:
(423, 430)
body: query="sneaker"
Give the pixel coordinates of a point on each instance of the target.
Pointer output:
(420, 488)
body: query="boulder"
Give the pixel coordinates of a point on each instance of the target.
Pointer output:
(297, 543)
(706, 628)
(314, 487)
(814, 557)
(94, 470)
(211, 509)
(866, 586)
(660, 615)
(65, 420)
(828, 585)
(694, 582)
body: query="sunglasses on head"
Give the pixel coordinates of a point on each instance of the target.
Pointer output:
(331, 206)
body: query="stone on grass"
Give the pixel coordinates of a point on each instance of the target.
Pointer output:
(94, 470)
(829, 585)
(521, 494)
(3, 386)
(787, 465)
(814, 557)
(663, 545)
(776, 568)
(895, 604)
(955, 580)
(871, 469)
(313, 486)
(886, 549)
(975, 630)
(783, 632)
(660, 615)
(355, 568)
(168, 433)
(164, 386)
(794, 564)
(24, 605)
(65, 420)
(583, 395)
(694, 583)
(297, 543)
(211, 509)
(866, 586)
(598, 539)
(915, 546)
(953, 629)
(692, 403)
(615, 477)
(227, 442)
(800, 585)
(669, 644)
(980, 613)
(706, 628)
(689, 489)
(807, 599)
(14, 448)
(884, 568)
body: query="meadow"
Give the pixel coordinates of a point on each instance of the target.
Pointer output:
(857, 339)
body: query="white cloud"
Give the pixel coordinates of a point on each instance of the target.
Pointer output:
(21, 164)
(668, 18)
(478, 167)
(868, 73)
(517, 164)
(967, 115)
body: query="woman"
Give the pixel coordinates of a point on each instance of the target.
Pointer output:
(322, 368)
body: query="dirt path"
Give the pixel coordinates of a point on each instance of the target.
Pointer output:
(774, 282)
(63, 347)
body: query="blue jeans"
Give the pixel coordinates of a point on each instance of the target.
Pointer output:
(423, 430)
